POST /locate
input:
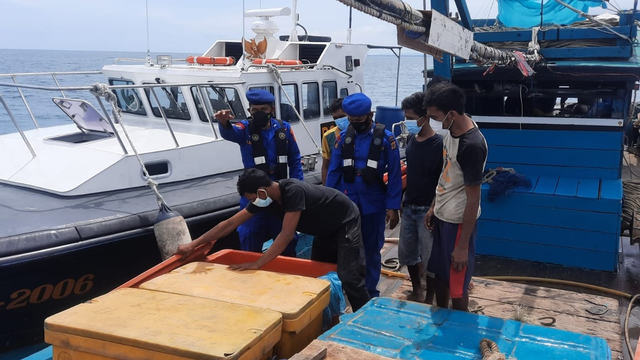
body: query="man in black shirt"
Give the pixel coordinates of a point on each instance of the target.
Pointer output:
(424, 164)
(315, 210)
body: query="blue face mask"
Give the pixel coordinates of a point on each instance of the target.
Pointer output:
(412, 126)
(262, 202)
(342, 123)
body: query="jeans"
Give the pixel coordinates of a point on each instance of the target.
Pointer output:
(416, 241)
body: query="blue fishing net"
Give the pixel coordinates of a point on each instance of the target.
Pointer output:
(526, 13)
(502, 181)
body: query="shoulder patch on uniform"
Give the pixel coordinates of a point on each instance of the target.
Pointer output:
(239, 125)
(393, 144)
(292, 135)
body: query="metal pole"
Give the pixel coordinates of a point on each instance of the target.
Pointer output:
(424, 73)
(113, 126)
(26, 104)
(15, 123)
(398, 74)
(164, 117)
(205, 106)
(58, 85)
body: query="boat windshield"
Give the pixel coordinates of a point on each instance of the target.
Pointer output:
(220, 98)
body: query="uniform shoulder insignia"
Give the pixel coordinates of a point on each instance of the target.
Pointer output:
(393, 145)
(292, 135)
(239, 125)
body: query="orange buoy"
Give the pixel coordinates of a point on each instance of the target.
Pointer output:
(207, 60)
(276, 62)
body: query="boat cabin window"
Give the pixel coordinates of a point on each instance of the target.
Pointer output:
(344, 92)
(329, 93)
(172, 102)
(128, 99)
(287, 112)
(310, 100)
(221, 98)
(545, 99)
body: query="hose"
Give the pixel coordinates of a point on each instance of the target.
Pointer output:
(626, 325)
(558, 281)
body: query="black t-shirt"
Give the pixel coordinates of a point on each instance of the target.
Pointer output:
(472, 155)
(424, 165)
(323, 210)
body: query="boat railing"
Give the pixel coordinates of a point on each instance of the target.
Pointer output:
(201, 93)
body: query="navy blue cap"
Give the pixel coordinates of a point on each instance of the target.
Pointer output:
(260, 97)
(357, 104)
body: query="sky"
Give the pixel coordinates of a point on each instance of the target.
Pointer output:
(185, 26)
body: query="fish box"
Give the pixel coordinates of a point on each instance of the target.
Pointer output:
(281, 264)
(407, 330)
(143, 324)
(299, 299)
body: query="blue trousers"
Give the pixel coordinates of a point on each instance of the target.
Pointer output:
(260, 229)
(373, 240)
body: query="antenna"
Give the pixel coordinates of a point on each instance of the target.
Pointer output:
(146, 4)
(294, 18)
(349, 30)
(243, 16)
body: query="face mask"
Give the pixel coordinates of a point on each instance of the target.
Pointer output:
(262, 202)
(445, 118)
(412, 126)
(342, 123)
(261, 119)
(361, 126)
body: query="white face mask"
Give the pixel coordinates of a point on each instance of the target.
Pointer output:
(262, 202)
(445, 118)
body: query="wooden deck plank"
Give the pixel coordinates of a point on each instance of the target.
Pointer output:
(567, 186)
(546, 185)
(336, 352)
(589, 188)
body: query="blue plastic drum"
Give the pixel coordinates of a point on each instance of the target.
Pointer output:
(389, 115)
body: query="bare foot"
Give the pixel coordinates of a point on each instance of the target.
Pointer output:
(416, 296)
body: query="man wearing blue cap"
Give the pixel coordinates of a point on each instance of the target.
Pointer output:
(267, 144)
(358, 163)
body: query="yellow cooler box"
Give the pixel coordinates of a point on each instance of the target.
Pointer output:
(142, 324)
(299, 299)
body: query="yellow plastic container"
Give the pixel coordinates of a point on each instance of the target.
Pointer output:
(142, 324)
(299, 299)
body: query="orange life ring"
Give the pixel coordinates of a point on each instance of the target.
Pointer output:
(276, 62)
(207, 60)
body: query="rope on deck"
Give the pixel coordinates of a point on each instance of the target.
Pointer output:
(490, 351)
(631, 202)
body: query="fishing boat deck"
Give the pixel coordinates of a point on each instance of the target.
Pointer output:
(570, 309)
(569, 305)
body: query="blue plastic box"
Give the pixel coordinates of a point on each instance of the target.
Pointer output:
(406, 330)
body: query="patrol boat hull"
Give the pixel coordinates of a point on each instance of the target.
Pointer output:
(94, 256)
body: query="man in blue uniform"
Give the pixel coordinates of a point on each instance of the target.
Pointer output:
(358, 163)
(267, 144)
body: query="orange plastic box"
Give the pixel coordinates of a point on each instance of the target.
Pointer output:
(152, 325)
(281, 264)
